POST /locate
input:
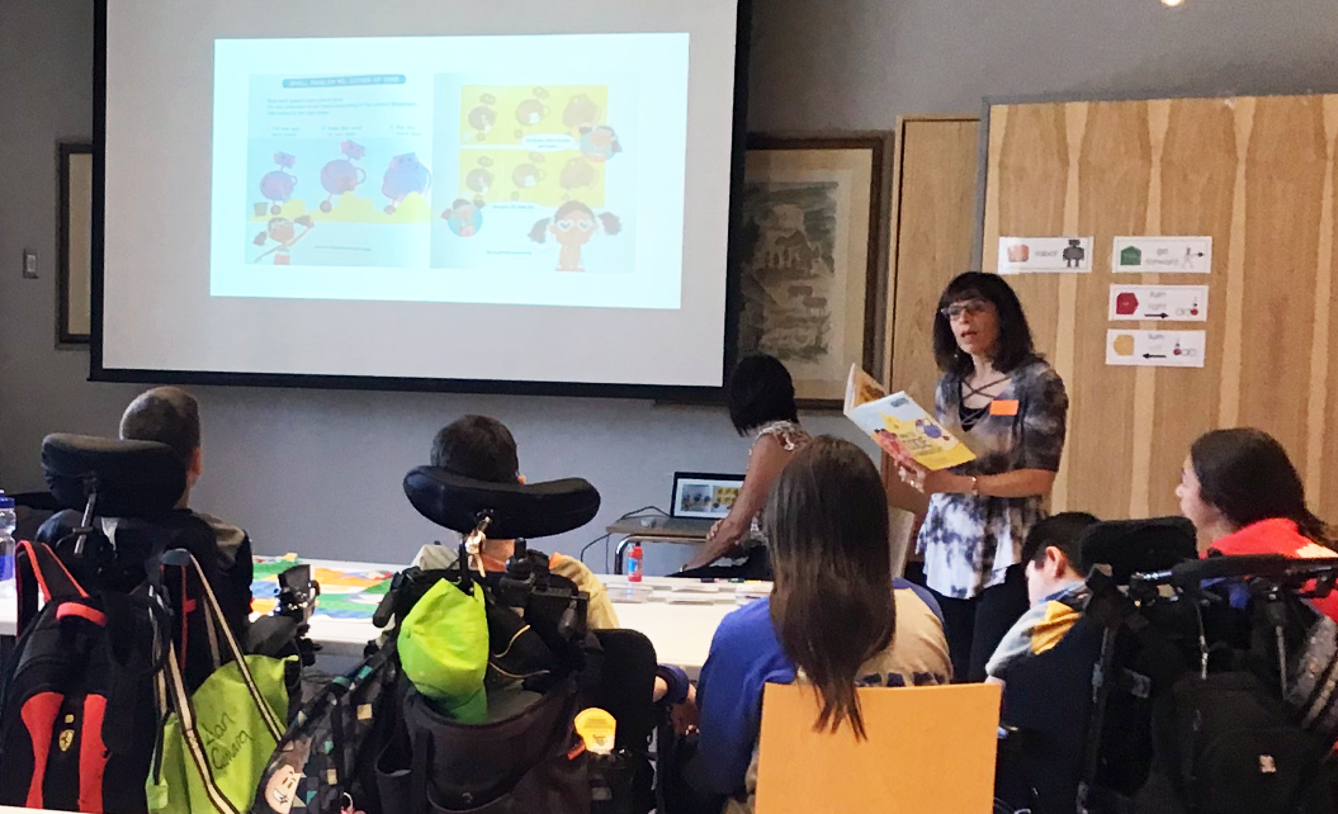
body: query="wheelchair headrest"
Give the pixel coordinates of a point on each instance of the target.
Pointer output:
(1132, 546)
(517, 509)
(139, 479)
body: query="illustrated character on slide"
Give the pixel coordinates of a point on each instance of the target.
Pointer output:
(527, 175)
(576, 174)
(479, 180)
(599, 144)
(283, 232)
(532, 111)
(581, 113)
(342, 175)
(572, 226)
(464, 217)
(277, 185)
(482, 118)
(405, 176)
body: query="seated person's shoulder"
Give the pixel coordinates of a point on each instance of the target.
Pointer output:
(1042, 627)
(574, 570)
(747, 629)
(600, 614)
(916, 595)
(435, 557)
(919, 652)
(232, 540)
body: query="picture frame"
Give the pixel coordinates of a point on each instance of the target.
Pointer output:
(813, 232)
(75, 275)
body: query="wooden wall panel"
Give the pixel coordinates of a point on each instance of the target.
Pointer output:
(1260, 176)
(1323, 440)
(1198, 175)
(932, 224)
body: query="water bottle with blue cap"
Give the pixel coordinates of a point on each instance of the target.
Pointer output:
(9, 520)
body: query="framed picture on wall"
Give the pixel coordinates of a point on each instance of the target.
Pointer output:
(813, 243)
(76, 243)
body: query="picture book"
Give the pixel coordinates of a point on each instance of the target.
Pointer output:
(900, 425)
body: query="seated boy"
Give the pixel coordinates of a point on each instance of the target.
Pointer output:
(1055, 586)
(483, 448)
(171, 416)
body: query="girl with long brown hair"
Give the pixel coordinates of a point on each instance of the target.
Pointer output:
(836, 618)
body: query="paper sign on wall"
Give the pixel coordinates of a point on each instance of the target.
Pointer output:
(1155, 348)
(1169, 255)
(1022, 255)
(1165, 303)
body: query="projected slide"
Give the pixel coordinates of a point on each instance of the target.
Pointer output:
(338, 173)
(543, 182)
(519, 170)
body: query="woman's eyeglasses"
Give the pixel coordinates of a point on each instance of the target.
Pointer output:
(972, 307)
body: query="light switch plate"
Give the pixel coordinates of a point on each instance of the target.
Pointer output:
(30, 265)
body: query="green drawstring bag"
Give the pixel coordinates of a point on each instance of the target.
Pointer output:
(443, 647)
(217, 741)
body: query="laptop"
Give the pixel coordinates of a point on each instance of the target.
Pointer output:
(699, 500)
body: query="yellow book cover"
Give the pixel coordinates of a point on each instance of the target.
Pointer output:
(896, 421)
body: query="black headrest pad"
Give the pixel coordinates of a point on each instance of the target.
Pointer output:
(141, 479)
(1131, 546)
(517, 509)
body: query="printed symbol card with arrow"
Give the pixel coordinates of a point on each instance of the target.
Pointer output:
(1162, 303)
(1155, 348)
(1163, 255)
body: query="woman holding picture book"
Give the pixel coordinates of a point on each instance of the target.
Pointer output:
(1009, 407)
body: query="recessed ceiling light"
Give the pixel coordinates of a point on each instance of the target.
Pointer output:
(1172, 3)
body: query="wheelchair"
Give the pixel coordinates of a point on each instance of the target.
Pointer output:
(391, 749)
(1098, 723)
(118, 517)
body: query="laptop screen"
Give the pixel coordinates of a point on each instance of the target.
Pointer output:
(704, 494)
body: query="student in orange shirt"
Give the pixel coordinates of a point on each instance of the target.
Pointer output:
(1243, 494)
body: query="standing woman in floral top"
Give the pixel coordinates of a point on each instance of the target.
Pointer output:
(761, 402)
(1009, 407)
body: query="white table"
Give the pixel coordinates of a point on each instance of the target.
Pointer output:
(681, 633)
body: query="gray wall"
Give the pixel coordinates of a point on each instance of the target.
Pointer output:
(319, 472)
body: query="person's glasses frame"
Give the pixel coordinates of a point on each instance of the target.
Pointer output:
(974, 307)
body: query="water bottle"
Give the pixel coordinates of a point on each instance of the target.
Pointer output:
(633, 564)
(9, 520)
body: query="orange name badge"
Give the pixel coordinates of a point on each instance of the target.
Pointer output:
(1003, 407)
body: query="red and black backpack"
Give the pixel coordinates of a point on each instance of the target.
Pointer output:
(78, 721)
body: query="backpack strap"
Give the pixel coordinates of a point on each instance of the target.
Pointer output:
(37, 568)
(214, 614)
(133, 620)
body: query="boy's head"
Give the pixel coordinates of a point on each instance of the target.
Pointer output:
(171, 416)
(477, 447)
(481, 448)
(1051, 553)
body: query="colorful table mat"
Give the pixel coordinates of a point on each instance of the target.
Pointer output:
(344, 594)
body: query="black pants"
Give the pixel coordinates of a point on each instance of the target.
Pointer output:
(975, 626)
(756, 566)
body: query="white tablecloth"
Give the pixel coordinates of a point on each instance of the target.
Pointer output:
(679, 617)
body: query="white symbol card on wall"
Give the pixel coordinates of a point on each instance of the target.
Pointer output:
(1163, 255)
(1045, 255)
(1163, 303)
(1155, 348)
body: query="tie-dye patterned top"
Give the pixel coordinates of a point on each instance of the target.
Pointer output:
(969, 542)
